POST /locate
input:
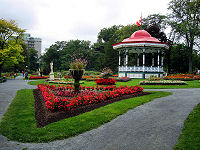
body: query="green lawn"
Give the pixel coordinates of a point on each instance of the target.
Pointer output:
(190, 84)
(19, 124)
(190, 136)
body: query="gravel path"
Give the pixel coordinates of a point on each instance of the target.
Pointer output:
(152, 126)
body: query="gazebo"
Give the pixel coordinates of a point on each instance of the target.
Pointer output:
(143, 56)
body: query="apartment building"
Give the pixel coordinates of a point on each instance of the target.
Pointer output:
(33, 42)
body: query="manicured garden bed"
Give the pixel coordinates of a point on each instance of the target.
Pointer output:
(47, 114)
(64, 98)
(19, 124)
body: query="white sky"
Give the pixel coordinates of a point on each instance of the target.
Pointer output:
(63, 20)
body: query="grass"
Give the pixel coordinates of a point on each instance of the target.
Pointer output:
(40, 81)
(190, 84)
(8, 75)
(19, 124)
(190, 136)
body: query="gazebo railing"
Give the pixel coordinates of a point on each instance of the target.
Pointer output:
(140, 69)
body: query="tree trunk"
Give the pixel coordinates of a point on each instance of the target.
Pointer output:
(190, 63)
(0, 69)
(190, 58)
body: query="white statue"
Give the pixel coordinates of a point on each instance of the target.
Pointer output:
(51, 65)
(39, 72)
(51, 73)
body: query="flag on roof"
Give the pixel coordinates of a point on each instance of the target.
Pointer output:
(139, 21)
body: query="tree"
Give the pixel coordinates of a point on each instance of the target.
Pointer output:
(108, 33)
(156, 24)
(155, 19)
(179, 53)
(10, 43)
(106, 38)
(186, 22)
(53, 53)
(74, 47)
(126, 31)
(62, 51)
(33, 59)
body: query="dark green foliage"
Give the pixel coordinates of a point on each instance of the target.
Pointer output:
(108, 34)
(126, 31)
(111, 56)
(185, 21)
(155, 20)
(179, 53)
(53, 53)
(180, 61)
(33, 59)
(154, 31)
(79, 48)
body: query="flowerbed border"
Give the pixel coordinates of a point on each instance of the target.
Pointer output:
(180, 79)
(44, 116)
(38, 77)
(60, 82)
(162, 83)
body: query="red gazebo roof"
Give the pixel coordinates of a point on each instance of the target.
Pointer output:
(140, 37)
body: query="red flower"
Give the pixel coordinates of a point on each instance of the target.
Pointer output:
(85, 97)
(38, 77)
(107, 81)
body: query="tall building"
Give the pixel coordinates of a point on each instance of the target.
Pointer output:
(33, 42)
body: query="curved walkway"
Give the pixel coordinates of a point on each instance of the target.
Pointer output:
(153, 126)
(8, 91)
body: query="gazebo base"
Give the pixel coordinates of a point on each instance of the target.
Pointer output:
(140, 75)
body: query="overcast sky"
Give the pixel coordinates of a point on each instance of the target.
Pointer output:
(63, 20)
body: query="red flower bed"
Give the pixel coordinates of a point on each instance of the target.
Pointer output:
(183, 77)
(196, 77)
(106, 81)
(38, 77)
(63, 98)
(68, 77)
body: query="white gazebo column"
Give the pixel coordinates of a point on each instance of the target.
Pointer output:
(119, 57)
(143, 59)
(152, 59)
(162, 61)
(138, 59)
(126, 57)
(158, 60)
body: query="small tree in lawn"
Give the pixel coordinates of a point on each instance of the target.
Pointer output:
(105, 80)
(106, 72)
